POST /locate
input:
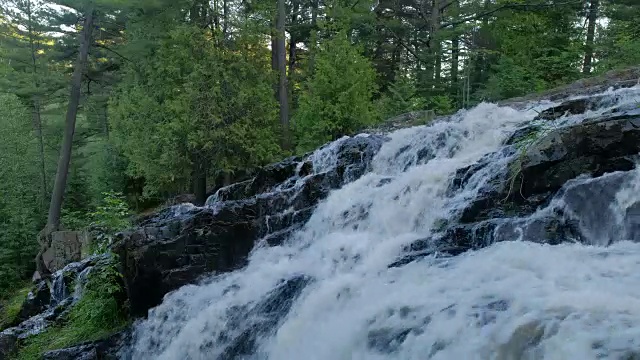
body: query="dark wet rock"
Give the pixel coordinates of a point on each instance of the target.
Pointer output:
(614, 79)
(591, 149)
(265, 180)
(632, 223)
(580, 212)
(571, 107)
(564, 154)
(248, 324)
(107, 349)
(158, 259)
(8, 344)
(36, 302)
(181, 244)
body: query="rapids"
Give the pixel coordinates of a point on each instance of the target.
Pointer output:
(329, 292)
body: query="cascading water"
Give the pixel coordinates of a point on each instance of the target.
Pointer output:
(329, 292)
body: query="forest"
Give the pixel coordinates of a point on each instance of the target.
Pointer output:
(111, 108)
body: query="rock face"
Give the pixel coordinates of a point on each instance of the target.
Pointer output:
(180, 244)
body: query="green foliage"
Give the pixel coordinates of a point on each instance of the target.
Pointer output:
(440, 104)
(194, 99)
(20, 202)
(111, 216)
(99, 313)
(11, 303)
(401, 97)
(618, 45)
(536, 50)
(510, 80)
(337, 100)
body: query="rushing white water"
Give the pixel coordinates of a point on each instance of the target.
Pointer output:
(513, 300)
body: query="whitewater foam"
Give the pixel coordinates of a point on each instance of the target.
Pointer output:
(574, 301)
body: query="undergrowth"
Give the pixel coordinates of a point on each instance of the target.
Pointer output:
(98, 314)
(10, 304)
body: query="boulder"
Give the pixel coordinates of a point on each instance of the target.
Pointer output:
(36, 302)
(180, 244)
(66, 247)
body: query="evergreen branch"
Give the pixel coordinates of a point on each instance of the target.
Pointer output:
(506, 7)
(113, 51)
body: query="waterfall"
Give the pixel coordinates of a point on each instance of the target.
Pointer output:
(334, 290)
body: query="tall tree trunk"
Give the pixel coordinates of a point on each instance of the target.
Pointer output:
(57, 196)
(274, 59)
(435, 42)
(216, 18)
(281, 57)
(591, 31)
(293, 53)
(199, 180)
(313, 37)
(225, 19)
(455, 58)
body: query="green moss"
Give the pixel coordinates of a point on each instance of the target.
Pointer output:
(64, 336)
(100, 313)
(11, 304)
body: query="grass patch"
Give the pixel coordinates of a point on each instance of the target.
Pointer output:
(11, 304)
(99, 313)
(64, 336)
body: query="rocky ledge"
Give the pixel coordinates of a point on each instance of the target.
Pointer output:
(558, 187)
(182, 243)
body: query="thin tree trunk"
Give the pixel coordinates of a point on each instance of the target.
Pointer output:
(281, 56)
(455, 58)
(225, 17)
(591, 30)
(313, 37)
(216, 18)
(274, 60)
(57, 196)
(53, 220)
(199, 180)
(293, 53)
(435, 43)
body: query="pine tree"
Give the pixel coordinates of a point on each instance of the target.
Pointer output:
(338, 99)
